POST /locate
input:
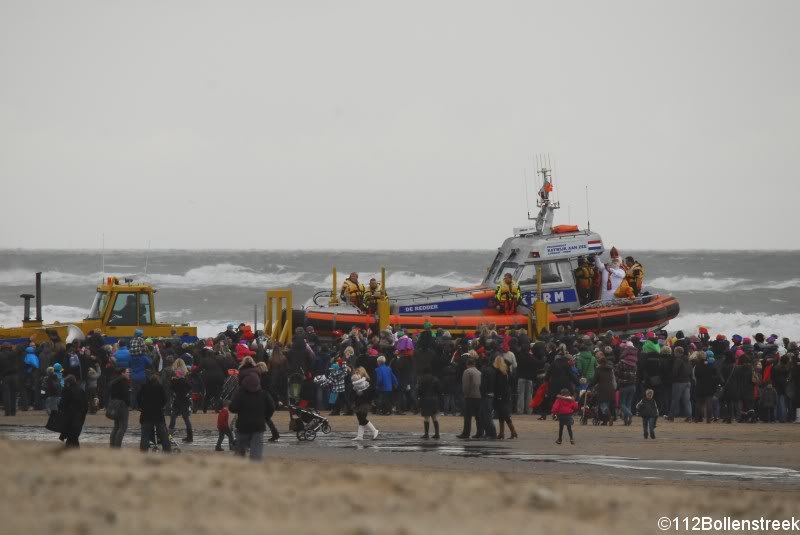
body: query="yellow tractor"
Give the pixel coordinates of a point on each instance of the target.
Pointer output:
(118, 309)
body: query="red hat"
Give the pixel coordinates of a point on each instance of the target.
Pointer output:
(720, 337)
(651, 335)
(746, 340)
(702, 330)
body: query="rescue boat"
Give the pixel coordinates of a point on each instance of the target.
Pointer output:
(542, 259)
(118, 309)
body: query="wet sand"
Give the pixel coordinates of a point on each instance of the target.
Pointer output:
(399, 483)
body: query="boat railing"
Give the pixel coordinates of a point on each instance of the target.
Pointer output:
(323, 297)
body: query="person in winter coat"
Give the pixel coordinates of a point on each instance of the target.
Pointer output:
(52, 390)
(781, 377)
(605, 389)
(151, 400)
(626, 381)
(364, 392)
(250, 404)
(213, 377)
(428, 391)
(471, 390)
(648, 410)
(119, 393)
(182, 400)
(224, 427)
(386, 384)
(681, 386)
(266, 385)
(139, 365)
(502, 397)
(485, 423)
(73, 406)
(586, 362)
(563, 408)
(122, 357)
(706, 383)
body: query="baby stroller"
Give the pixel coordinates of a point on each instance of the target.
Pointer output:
(230, 386)
(589, 410)
(306, 423)
(155, 446)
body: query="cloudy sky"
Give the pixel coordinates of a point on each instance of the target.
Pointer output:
(396, 124)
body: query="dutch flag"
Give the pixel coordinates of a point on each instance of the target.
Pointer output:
(595, 246)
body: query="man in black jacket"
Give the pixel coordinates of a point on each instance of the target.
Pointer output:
(151, 400)
(251, 404)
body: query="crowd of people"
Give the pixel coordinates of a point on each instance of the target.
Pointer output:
(484, 377)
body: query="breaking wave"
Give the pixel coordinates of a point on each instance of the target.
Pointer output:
(701, 284)
(695, 284)
(11, 315)
(744, 324)
(239, 276)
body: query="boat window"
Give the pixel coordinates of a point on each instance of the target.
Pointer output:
(495, 263)
(550, 274)
(124, 311)
(144, 309)
(98, 306)
(507, 267)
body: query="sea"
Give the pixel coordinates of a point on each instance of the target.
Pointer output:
(729, 292)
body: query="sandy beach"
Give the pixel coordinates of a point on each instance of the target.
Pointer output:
(335, 486)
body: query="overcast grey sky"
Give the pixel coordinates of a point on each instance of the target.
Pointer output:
(396, 124)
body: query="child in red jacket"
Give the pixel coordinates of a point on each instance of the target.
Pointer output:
(563, 407)
(224, 426)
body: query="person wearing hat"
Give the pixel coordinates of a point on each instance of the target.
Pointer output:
(706, 382)
(352, 291)
(508, 294)
(611, 275)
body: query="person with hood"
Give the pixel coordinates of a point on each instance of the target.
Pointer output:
(611, 275)
(122, 356)
(151, 399)
(508, 294)
(681, 386)
(626, 380)
(73, 406)
(251, 404)
(364, 393)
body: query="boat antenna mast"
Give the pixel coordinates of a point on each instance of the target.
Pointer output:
(547, 208)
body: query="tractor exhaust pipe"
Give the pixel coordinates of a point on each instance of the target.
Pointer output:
(38, 296)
